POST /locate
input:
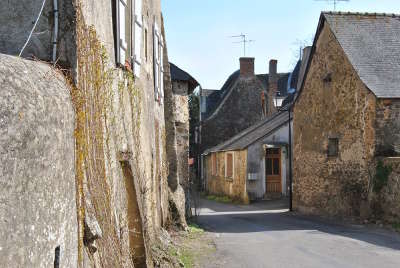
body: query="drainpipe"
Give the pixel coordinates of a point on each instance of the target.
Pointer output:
(55, 35)
(290, 163)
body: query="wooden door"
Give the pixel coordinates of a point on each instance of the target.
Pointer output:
(273, 170)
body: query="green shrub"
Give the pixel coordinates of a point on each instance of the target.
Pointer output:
(381, 176)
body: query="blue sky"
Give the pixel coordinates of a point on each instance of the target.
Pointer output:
(197, 32)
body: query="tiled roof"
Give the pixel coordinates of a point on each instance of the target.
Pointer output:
(372, 44)
(252, 134)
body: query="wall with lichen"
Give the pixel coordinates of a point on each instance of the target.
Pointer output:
(118, 123)
(218, 184)
(37, 175)
(334, 103)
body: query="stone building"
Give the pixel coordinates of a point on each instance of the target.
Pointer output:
(177, 126)
(254, 163)
(245, 99)
(347, 119)
(83, 132)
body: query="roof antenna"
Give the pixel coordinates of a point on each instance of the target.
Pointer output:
(244, 41)
(335, 2)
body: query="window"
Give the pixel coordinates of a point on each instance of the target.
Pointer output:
(138, 19)
(214, 168)
(333, 147)
(158, 54)
(229, 165)
(128, 33)
(145, 45)
(123, 31)
(273, 161)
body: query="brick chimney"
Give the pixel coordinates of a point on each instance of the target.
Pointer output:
(272, 85)
(246, 67)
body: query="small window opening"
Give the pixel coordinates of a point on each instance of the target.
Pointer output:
(57, 257)
(328, 78)
(333, 147)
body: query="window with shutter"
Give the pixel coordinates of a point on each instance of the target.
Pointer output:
(161, 68)
(137, 57)
(122, 8)
(123, 29)
(156, 63)
(229, 165)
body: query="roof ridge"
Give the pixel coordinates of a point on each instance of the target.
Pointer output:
(393, 15)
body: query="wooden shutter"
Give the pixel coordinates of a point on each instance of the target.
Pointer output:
(137, 58)
(122, 44)
(229, 165)
(156, 62)
(161, 60)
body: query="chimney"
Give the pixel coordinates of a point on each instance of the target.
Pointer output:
(246, 67)
(272, 85)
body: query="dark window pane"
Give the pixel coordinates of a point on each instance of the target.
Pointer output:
(268, 166)
(333, 147)
(272, 151)
(276, 166)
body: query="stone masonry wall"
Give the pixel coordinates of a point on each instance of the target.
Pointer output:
(219, 185)
(388, 127)
(241, 109)
(334, 103)
(391, 192)
(121, 137)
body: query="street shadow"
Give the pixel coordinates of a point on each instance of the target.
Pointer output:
(264, 217)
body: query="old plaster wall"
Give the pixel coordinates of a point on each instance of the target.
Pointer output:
(16, 22)
(241, 109)
(334, 103)
(37, 176)
(220, 185)
(119, 124)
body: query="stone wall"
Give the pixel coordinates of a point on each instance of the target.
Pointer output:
(126, 128)
(388, 127)
(219, 185)
(391, 192)
(37, 176)
(172, 112)
(16, 22)
(334, 103)
(240, 110)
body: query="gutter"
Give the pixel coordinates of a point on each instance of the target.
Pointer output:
(55, 35)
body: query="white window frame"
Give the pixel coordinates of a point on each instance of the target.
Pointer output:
(122, 46)
(156, 67)
(137, 37)
(233, 165)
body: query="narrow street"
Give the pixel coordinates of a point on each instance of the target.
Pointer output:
(265, 234)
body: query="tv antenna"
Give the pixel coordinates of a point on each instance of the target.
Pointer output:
(244, 41)
(335, 2)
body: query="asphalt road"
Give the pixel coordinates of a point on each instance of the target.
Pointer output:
(266, 235)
